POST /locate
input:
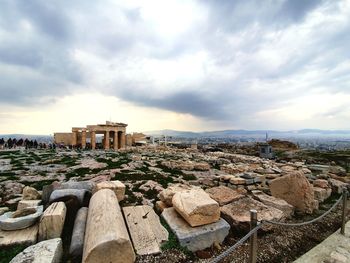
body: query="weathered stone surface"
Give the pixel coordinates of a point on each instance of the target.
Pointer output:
(278, 203)
(47, 190)
(322, 194)
(296, 190)
(8, 222)
(83, 196)
(196, 207)
(26, 236)
(52, 221)
(321, 183)
(195, 238)
(28, 203)
(146, 231)
(77, 241)
(337, 186)
(49, 251)
(237, 180)
(23, 212)
(3, 210)
(30, 193)
(160, 206)
(116, 186)
(238, 216)
(223, 195)
(167, 194)
(82, 185)
(106, 236)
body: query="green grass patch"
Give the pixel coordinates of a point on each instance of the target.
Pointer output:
(164, 181)
(9, 252)
(131, 198)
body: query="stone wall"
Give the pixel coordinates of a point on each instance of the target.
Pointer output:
(65, 138)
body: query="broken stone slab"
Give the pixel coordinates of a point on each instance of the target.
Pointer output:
(195, 238)
(337, 186)
(52, 221)
(82, 185)
(167, 194)
(48, 251)
(223, 194)
(296, 190)
(160, 206)
(116, 186)
(322, 183)
(30, 193)
(8, 222)
(278, 203)
(28, 203)
(321, 194)
(237, 213)
(196, 207)
(146, 231)
(237, 180)
(83, 196)
(25, 236)
(77, 241)
(106, 236)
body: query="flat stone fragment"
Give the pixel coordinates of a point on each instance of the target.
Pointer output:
(196, 207)
(26, 236)
(83, 196)
(77, 241)
(237, 180)
(167, 194)
(82, 185)
(30, 193)
(195, 238)
(48, 251)
(28, 203)
(52, 221)
(8, 222)
(146, 231)
(278, 203)
(237, 214)
(116, 186)
(223, 195)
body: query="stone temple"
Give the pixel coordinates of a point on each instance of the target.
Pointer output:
(114, 136)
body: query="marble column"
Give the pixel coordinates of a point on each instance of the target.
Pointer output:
(115, 140)
(83, 139)
(106, 140)
(122, 140)
(74, 138)
(93, 140)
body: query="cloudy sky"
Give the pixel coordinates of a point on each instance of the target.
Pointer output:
(186, 65)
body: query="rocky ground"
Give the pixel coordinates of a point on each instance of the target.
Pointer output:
(146, 172)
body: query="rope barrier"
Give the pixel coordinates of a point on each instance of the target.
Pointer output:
(260, 224)
(240, 242)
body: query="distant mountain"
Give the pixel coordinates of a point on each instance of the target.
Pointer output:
(39, 138)
(250, 133)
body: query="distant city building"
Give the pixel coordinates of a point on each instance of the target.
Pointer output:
(265, 151)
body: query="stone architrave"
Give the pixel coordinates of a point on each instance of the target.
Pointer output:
(196, 207)
(52, 221)
(106, 236)
(195, 238)
(116, 186)
(48, 251)
(296, 190)
(77, 241)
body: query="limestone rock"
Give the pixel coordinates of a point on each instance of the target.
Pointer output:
(116, 186)
(23, 212)
(223, 195)
(160, 206)
(196, 207)
(8, 222)
(106, 236)
(195, 238)
(296, 190)
(167, 194)
(26, 236)
(28, 203)
(77, 241)
(337, 186)
(83, 196)
(30, 193)
(237, 214)
(3, 210)
(49, 251)
(237, 180)
(321, 194)
(52, 221)
(202, 166)
(278, 203)
(82, 185)
(321, 183)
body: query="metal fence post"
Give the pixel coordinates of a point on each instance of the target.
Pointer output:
(254, 238)
(343, 222)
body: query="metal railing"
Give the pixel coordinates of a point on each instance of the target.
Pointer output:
(255, 225)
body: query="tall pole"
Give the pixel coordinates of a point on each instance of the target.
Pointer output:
(253, 238)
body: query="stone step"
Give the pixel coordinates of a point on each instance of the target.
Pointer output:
(146, 231)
